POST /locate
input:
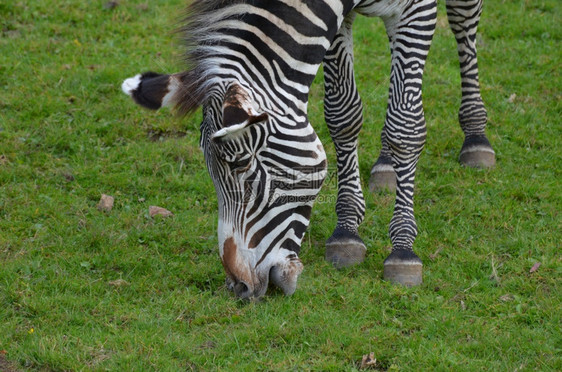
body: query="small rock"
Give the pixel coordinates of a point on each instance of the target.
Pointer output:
(142, 200)
(106, 203)
(535, 267)
(159, 211)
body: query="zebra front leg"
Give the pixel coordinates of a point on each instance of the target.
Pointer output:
(476, 150)
(405, 131)
(344, 117)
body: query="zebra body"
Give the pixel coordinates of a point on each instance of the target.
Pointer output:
(251, 67)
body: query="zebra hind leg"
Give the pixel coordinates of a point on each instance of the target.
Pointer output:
(344, 117)
(463, 19)
(476, 150)
(405, 131)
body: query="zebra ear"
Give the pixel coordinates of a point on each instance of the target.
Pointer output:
(237, 113)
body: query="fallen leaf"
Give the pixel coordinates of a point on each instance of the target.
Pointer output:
(118, 283)
(106, 203)
(463, 305)
(535, 267)
(368, 361)
(511, 98)
(159, 211)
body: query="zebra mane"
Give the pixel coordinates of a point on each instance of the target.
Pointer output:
(199, 37)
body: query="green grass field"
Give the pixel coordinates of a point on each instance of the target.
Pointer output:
(85, 290)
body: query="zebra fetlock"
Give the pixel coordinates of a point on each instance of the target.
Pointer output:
(383, 177)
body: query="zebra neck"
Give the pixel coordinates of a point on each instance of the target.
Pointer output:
(273, 47)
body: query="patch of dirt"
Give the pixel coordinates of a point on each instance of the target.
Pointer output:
(6, 365)
(156, 135)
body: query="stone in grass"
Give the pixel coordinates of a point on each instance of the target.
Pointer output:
(106, 203)
(159, 211)
(535, 267)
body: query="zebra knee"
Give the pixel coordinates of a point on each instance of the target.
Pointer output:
(406, 142)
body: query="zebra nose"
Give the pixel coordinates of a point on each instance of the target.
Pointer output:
(242, 290)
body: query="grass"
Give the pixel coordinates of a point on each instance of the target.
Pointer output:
(67, 135)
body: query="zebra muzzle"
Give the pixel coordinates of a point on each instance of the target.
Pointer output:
(285, 276)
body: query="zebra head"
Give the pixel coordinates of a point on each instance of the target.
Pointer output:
(267, 166)
(267, 172)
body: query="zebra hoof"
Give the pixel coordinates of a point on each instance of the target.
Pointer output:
(344, 249)
(478, 159)
(383, 178)
(477, 152)
(403, 267)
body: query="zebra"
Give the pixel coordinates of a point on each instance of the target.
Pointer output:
(251, 65)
